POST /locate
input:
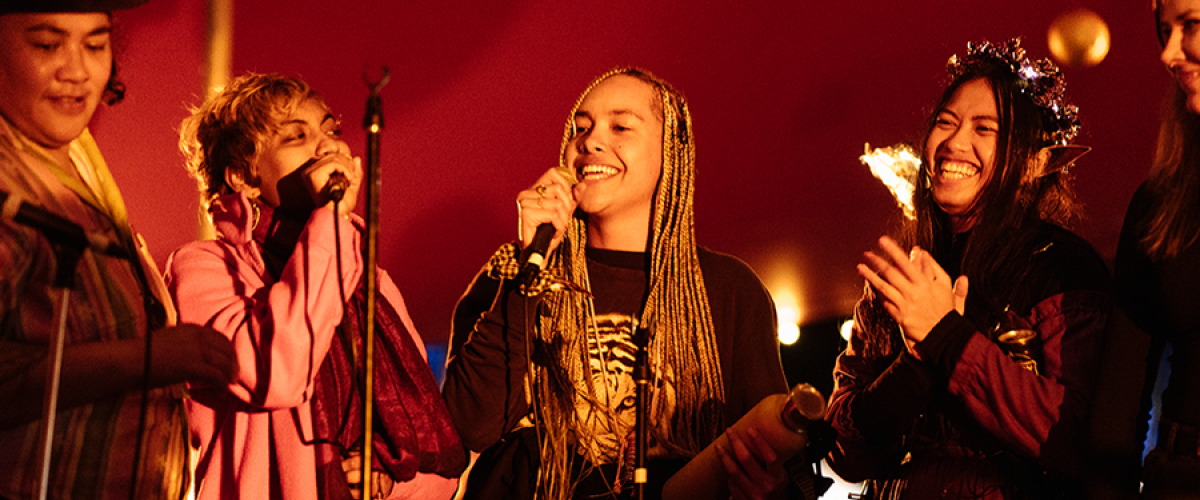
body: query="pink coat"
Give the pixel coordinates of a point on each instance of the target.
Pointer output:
(252, 434)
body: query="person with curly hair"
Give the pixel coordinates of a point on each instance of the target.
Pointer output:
(283, 281)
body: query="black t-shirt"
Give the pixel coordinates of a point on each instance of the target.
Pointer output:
(486, 368)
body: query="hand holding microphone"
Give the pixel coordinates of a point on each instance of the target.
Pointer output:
(779, 428)
(335, 178)
(337, 185)
(545, 209)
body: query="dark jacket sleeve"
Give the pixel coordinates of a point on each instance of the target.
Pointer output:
(485, 369)
(1133, 272)
(874, 403)
(1039, 415)
(1042, 416)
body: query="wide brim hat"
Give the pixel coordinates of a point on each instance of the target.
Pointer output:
(49, 6)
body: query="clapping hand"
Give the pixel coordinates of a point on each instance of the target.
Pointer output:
(916, 291)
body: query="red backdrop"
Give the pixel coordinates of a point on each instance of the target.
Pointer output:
(784, 94)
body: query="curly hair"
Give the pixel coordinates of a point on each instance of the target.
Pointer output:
(225, 134)
(114, 89)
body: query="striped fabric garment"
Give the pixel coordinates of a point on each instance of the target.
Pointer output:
(94, 444)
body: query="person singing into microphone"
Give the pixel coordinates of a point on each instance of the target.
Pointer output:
(559, 419)
(953, 392)
(283, 280)
(56, 68)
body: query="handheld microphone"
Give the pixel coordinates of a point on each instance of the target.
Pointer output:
(337, 186)
(534, 256)
(533, 259)
(56, 228)
(540, 246)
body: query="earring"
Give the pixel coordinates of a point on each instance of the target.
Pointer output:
(257, 213)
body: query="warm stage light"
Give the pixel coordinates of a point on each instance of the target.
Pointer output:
(789, 333)
(845, 329)
(787, 317)
(1079, 38)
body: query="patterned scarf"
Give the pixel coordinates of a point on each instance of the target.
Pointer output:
(413, 431)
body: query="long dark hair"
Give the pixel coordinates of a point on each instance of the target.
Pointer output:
(114, 90)
(1174, 183)
(1008, 211)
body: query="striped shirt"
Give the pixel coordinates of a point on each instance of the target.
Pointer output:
(94, 445)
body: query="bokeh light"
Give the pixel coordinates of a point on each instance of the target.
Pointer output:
(845, 329)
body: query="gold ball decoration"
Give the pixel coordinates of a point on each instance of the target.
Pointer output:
(1079, 38)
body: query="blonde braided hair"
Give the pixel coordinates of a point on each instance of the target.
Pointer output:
(684, 345)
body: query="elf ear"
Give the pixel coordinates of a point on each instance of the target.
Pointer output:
(1055, 159)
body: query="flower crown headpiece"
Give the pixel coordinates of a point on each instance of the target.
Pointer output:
(1039, 80)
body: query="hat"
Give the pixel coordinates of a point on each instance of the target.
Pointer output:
(47, 6)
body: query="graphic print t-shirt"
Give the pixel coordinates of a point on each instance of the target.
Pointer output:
(618, 282)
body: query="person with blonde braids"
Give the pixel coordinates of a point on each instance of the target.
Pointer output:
(945, 392)
(558, 423)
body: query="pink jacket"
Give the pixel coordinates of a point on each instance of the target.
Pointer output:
(252, 434)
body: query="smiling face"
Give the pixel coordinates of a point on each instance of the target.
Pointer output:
(961, 151)
(616, 151)
(1179, 30)
(53, 71)
(308, 133)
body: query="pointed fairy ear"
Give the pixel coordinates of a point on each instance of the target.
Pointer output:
(1055, 159)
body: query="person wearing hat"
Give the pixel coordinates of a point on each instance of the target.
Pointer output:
(119, 430)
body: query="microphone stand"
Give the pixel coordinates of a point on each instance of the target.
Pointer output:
(373, 123)
(68, 241)
(64, 279)
(641, 377)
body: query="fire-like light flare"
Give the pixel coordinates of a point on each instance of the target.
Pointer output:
(897, 167)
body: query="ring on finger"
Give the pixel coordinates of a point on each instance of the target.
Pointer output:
(541, 190)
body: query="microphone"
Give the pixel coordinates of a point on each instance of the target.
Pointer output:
(539, 247)
(56, 228)
(337, 185)
(792, 424)
(804, 407)
(533, 259)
